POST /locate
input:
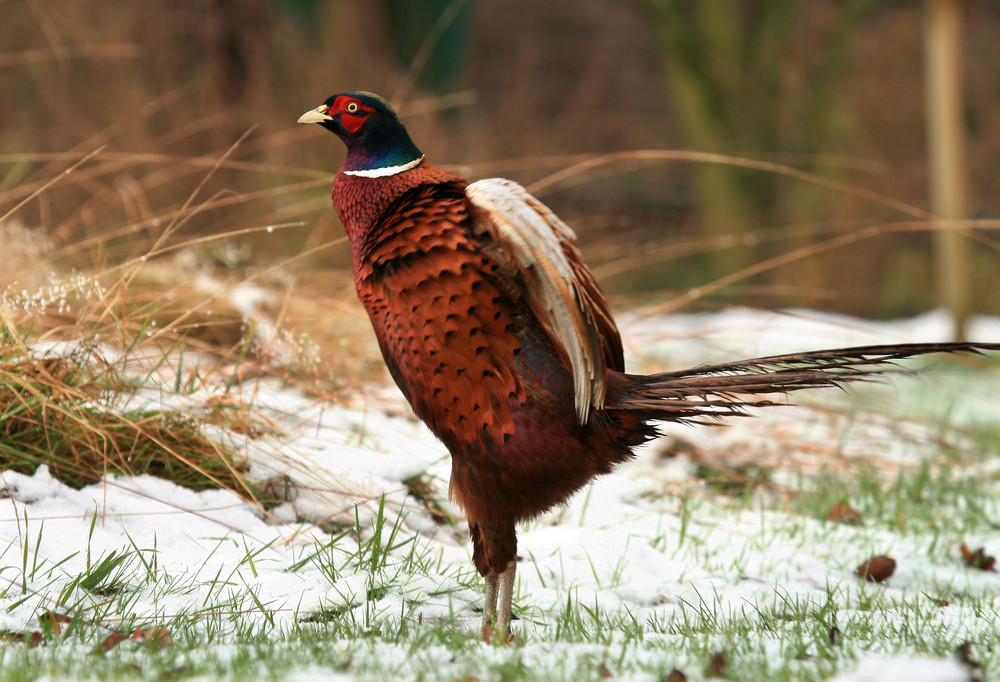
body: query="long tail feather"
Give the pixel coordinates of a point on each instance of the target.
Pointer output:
(725, 390)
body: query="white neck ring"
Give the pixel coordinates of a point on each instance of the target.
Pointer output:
(386, 171)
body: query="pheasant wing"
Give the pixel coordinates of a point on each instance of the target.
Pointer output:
(537, 252)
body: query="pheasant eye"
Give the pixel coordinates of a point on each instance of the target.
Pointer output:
(352, 107)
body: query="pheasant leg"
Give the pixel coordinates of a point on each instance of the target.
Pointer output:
(490, 604)
(506, 596)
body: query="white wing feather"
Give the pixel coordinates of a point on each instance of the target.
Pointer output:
(530, 237)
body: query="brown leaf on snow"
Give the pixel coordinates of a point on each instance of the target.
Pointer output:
(675, 675)
(29, 638)
(110, 642)
(845, 513)
(155, 635)
(963, 653)
(877, 569)
(53, 622)
(978, 558)
(717, 666)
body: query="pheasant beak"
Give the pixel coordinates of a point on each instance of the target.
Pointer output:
(317, 115)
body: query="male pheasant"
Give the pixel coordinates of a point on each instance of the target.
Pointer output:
(500, 338)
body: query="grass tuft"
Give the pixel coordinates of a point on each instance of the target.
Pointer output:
(63, 411)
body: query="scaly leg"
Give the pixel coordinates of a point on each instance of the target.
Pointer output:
(490, 604)
(506, 595)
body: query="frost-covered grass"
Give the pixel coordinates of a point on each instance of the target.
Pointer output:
(710, 554)
(633, 595)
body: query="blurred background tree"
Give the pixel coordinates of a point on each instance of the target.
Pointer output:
(523, 89)
(756, 78)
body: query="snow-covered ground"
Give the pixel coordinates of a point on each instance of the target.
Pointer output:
(648, 543)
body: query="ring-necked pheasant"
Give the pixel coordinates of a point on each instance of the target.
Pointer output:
(501, 340)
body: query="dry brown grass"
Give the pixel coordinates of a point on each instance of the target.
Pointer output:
(61, 411)
(92, 321)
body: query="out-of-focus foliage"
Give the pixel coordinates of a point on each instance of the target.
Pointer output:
(756, 76)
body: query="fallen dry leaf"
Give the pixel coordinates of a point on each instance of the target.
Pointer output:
(877, 569)
(675, 675)
(963, 653)
(717, 666)
(110, 642)
(155, 635)
(53, 622)
(29, 638)
(845, 513)
(978, 558)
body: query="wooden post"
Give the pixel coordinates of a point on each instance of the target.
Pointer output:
(946, 147)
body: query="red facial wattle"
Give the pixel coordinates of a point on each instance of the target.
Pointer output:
(353, 113)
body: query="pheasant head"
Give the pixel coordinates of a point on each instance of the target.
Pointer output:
(377, 143)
